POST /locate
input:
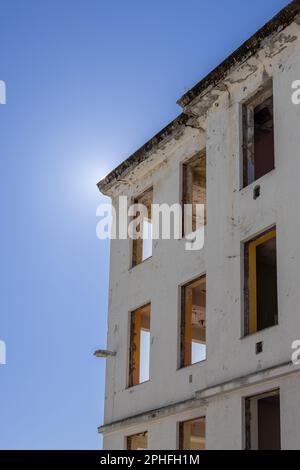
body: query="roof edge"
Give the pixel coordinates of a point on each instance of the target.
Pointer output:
(280, 21)
(142, 153)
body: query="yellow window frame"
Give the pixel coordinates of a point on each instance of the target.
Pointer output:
(252, 281)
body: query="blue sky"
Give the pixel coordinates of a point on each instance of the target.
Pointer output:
(88, 82)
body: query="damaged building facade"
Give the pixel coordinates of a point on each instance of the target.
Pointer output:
(202, 340)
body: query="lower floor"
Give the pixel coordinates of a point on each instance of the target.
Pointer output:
(257, 412)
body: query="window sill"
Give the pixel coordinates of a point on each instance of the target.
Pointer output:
(251, 186)
(256, 333)
(132, 387)
(140, 264)
(191, 365)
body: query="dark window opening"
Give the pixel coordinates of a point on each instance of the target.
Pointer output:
(194, 192)
(263, 422)
(258, 136)
(261, 296)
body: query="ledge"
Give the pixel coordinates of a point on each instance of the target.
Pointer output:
(202, 397)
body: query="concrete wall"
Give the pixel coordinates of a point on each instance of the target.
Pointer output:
(225, 423)
(233, 216)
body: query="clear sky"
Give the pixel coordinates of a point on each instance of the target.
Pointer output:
(88, 82)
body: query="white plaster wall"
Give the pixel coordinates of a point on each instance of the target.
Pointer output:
(290, 413)
(225, 421)
(232, 217)
(157, 280)
(163, 434)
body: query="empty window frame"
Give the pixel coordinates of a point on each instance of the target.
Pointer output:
(139, 351)
(258, 136)
(261, 297)
(142, 246)
(263, 421)
(194, 192)
(193, 322)
(192, 434)
(137, 441)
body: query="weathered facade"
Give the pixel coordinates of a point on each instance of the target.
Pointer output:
(247, 373)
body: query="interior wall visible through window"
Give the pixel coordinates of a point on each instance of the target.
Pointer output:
(258, 135)
(193, 322)
(142, 246)
(194, 192)
(192, 434)
(260, 290)
(139, 350)
(262, 418)
(138, 441)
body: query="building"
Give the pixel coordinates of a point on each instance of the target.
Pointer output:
(216, 325)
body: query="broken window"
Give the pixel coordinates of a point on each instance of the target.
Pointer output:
(139, 356)
(261, 304)
(192, 434)
(263, 422)
(142, 245)
(194, 192)
(137, 441)
(258, 136)
(193, 322)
